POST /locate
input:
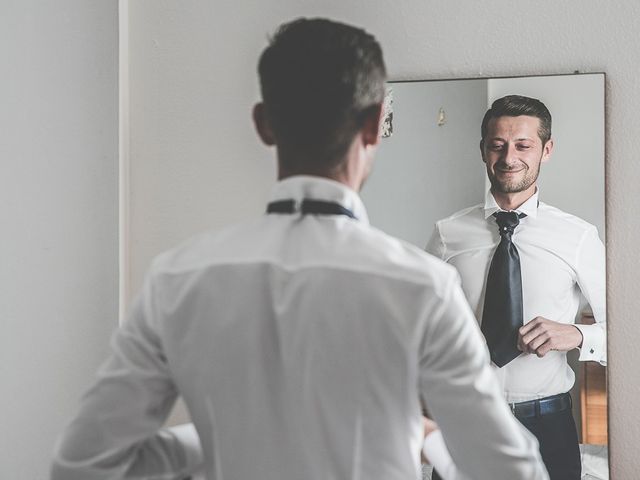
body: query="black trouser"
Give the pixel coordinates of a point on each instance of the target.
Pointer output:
(558, 439)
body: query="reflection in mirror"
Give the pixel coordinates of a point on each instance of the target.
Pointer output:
(431, 166)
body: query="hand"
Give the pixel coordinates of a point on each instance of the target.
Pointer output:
(542, 335)
(429, 427)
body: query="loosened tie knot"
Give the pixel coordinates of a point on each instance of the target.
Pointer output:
(507, 222)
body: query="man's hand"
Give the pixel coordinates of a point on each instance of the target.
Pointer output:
(429, 427)
(542, 335)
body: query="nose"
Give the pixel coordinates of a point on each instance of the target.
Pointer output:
(510, 157)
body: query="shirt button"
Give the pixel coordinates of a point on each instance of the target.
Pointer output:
(591, 351)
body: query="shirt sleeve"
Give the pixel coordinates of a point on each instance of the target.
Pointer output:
(590, 270)
(456, 381)
(435, 451)
(117, 431)
(436, 246)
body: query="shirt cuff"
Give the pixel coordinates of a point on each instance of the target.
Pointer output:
(187, 436)
(593, 347)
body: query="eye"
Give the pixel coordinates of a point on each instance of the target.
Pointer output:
(524, 147)
(496, 147)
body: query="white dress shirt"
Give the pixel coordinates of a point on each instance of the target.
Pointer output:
(561, 256)
(435, 451)
(301, 345)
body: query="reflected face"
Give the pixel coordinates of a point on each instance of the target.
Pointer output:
(513, 152)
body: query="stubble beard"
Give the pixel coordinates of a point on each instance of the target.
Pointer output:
(515, 186)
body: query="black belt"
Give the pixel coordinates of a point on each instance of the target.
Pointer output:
(542, 406)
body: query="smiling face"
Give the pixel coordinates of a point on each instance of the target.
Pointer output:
(513, 151)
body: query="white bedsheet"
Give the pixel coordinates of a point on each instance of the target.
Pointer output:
(595, 463)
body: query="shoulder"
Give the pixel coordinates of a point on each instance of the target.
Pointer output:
(209, 247)
(462, 216)
(553, 218)
(395, 258)
(465, 223)
(358, 248)
(564, 234)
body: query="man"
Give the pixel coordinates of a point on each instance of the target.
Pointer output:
(523, 265)
(301, 341)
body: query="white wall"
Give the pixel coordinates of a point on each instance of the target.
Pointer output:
(58, 217)
(197, 164)
(425, 171)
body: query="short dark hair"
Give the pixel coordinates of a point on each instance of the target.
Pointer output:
(319, 79)
(516, 105)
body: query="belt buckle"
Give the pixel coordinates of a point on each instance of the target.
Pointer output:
(512, 406)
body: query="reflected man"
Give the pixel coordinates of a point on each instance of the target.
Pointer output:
(524, 265)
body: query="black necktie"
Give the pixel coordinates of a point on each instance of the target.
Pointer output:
(502, 315)
(310, 207)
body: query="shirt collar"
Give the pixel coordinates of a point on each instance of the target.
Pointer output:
(529, 208)
(300, 187)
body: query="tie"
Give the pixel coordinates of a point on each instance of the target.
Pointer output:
(502, 316)
(310, 207)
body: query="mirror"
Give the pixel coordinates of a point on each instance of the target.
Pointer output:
(430, 166)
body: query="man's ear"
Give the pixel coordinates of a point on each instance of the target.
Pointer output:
(482, 150)
(262, 124)
(372, 125)
(547, 149)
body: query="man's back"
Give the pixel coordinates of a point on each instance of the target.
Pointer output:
(294, 341)
(301, 345)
